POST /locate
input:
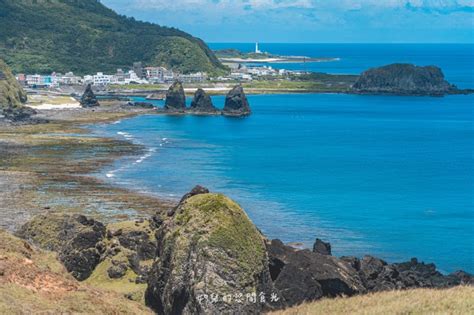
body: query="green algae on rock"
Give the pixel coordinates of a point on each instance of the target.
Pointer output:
(209, 248)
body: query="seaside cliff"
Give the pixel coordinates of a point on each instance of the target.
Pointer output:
(206, 256)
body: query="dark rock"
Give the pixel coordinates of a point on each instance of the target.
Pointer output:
(353, 261)
(143, 105)
(301, 275)
(321, 247)
(404, 79)
(236, 103)
(138, 241)
(117, 271)
(89, 99)
(77, 239)
(202, 103)
(175, 98)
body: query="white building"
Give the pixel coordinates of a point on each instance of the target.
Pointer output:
(257, 50)
(101, 79)
(193, 77)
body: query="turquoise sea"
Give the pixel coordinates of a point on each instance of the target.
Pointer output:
(387, 175)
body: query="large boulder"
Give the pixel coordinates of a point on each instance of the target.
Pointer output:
(236, 103)
(77, 239)
(404, 79)
(89, 99)
(211, 260)
(202, 103)
(175, 98)
(302, 275)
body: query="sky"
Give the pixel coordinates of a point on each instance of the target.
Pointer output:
(310, 21)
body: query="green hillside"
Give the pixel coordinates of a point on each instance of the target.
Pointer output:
(84, 36)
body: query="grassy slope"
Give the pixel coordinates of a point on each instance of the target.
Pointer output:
(33, 281)
(459, 300)
(85, 36)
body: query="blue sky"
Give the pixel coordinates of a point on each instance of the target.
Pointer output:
(311, 21)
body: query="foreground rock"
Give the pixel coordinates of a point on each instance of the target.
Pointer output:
(236, 103)
(78, 240)
(32, 281)
(89, 99)
(404, 79)
(302, 275)
(115, 257)
(211, 260)
(202, 103)
(175, 98)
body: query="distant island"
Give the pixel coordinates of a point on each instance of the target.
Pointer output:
(236, 56)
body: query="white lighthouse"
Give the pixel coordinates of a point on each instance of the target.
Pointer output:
(257, 51)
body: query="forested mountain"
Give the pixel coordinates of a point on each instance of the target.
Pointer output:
(84, 36)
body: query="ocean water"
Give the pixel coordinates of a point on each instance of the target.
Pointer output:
(387, 175)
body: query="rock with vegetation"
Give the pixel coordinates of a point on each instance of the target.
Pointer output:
(32, 281)
(202, 103)
(83, 34)
(89, 99)
(404, 79)
(116, 257)
(236, 103)
(77, 239)
(12, 96)
(209, 249)
(175, 98)
(302, 275)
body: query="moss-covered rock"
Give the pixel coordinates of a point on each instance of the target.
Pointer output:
(77, 239)
(12, 96)
(209, 249)
(32, 281)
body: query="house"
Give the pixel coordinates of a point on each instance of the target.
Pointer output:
(101, 79)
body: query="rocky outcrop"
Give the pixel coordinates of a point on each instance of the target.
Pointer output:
(32, 281)
(302, 275)
(236, 103)
(12, 97)
(202, 103)
(378, 275)
(321, 247)
(89, 99)
(211, 260)
(175, 98)
(78, 240)
(404, 79)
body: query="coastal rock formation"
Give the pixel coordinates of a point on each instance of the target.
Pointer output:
(175, 98)
(302, 275)
(78, 240)
(32, 281)
(12, 96)
(89, 99)
(202, 103)
(209, 253)
(321, 247)
(404, 79)
(380, 276)
(236, 103)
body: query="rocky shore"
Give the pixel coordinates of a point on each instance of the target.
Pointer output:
(205, 256)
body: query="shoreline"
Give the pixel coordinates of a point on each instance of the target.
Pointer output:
(49, 167)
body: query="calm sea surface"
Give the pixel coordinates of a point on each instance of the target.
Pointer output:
(386, 175)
